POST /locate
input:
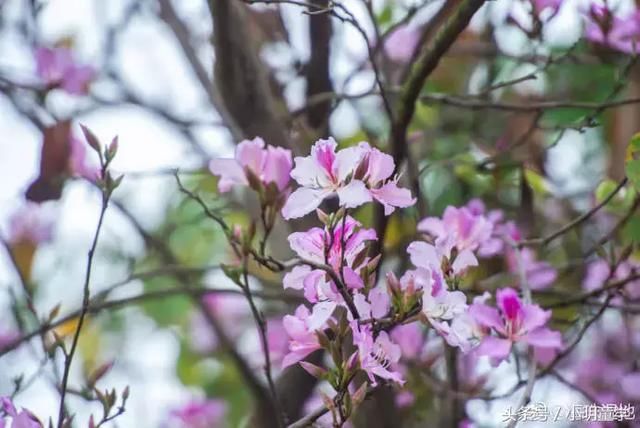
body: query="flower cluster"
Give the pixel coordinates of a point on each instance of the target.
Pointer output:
(371, 325)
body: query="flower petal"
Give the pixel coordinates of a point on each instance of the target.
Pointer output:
(303, 201)
(354, 194)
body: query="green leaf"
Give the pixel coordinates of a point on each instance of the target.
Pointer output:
(632, 169)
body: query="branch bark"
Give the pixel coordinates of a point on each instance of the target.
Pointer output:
(242, 78)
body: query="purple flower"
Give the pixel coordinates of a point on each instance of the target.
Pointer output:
(302, 328)
(513, 321)
(201, 414)
(376, 356)
(267, 165)
(19, 419)
(57, 68)
(615, 32)
(401, 44)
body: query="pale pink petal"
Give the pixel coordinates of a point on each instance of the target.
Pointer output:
(277, 166)
(544, 338)
(496, 349)
(423, 255)
(347, 160)
(354, 194)
(433, 226)
(294, 357)
(308, 245)
(392, 197)
(362, 305)
(486, 315)
(380, 302)
(463, 260)
(320, 313)
(380, 166)
(303, 201)
(308, 173)
(295, 278)
(352, 279)
(533, 316)
(250, 155)
(230, 173)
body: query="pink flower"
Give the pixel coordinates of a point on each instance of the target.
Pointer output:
(57, 68)
(513, 321)
(316, 243)
(19, 419)
(376, 356)
(468, 231)
(618, 33)
(382, 187)
(357, 175)
(201, 414)
(302, 328)
(324, 173)
(401, 44)
(31, 223)
(253, 161)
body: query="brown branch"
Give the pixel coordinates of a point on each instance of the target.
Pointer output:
(317, 69)
(181, 31)
(427, 60)
(242, 77)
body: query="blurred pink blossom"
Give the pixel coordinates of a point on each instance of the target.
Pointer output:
(57, 68)
(201, 414)
(615, 32)
(31, 223)
(401, 43)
